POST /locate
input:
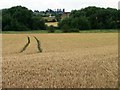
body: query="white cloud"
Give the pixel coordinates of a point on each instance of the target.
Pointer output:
(54, 4)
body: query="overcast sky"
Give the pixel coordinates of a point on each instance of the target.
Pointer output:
(54, 4)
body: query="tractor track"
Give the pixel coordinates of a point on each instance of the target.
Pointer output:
(26, 45)
(38, 44)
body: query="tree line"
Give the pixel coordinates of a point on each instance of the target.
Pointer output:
(91, 18)
(20, 18)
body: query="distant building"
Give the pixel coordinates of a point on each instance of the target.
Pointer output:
(50, 19)
(65, 15)
(63, 10)
(49, 14)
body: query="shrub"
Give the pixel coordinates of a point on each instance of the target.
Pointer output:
(73, 30)
(51, 29)
(65, 28)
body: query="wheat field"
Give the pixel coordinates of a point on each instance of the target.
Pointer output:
(55, 24)
(86, 60)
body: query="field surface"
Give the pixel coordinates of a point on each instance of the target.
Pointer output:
(86, 60)
(55, 24)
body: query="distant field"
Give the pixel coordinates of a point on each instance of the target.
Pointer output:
(52, 23)
(68, 60)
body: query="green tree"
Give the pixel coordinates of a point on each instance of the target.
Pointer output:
(80, 23)
(20, 18)
(38, 23)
